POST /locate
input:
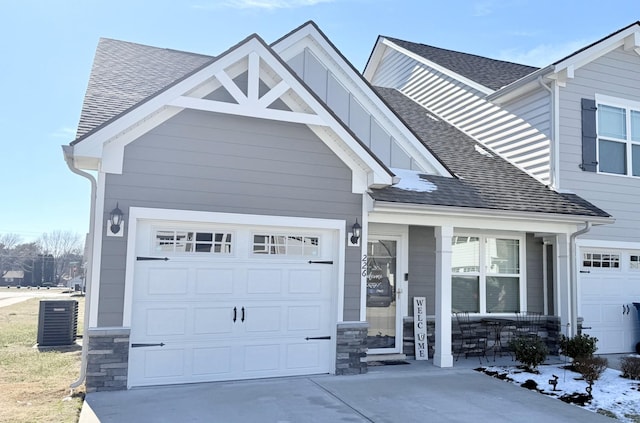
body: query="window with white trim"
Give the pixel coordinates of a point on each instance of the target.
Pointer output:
(618, 128)
(602, 260)
(486, 274)
(185, 241)
(288, 245)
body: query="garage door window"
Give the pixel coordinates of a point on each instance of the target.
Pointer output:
(602, 260)
(174, 241)
(287, 245)
(634, 262)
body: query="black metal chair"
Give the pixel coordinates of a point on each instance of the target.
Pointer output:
(473, 339)
(528, 323)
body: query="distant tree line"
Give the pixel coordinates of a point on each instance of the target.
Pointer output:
(54, 258)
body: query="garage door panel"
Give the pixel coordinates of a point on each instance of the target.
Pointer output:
(167, 281)
(262, 357)
(262, 319)
(264, 281)
(304, 318)
(165, 321)
(305, 281)
(163, 362)
(212, 361)
(214, 281)
(306, 355)
(213, 320)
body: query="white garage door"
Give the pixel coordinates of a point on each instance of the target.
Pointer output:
(609, 285)
(231, 302)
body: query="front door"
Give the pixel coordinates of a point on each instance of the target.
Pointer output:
(383, 287)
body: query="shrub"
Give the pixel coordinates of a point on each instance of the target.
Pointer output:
(630, 367)
(591, 368)
(530, 351)
(578, 347)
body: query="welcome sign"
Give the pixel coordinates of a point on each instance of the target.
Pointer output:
(420, 328)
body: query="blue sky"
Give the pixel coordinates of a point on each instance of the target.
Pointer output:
(47, 47)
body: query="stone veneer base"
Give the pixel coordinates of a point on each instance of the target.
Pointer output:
(107, 359)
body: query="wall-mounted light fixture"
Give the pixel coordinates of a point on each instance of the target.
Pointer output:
(115, 224)
(354, 235)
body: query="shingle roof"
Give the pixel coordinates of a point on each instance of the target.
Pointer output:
(485, 181)
(125, 73)
(491, 73)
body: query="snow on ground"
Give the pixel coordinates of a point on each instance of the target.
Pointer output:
(611, 392)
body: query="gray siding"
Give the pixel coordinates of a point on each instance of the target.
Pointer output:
(616, 74)
(219, 163)
(535, 108)
(422, 266)
(535, 293)
(345, 105)
(499, 128)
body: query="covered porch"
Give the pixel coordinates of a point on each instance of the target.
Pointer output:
(490, 264)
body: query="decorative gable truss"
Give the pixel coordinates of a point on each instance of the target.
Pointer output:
(248, 80)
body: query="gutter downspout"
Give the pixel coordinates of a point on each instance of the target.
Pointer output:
(553, 135)
(68, 157)
(573, 276)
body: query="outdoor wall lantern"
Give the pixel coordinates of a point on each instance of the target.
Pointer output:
(356, 231)
(115, 224)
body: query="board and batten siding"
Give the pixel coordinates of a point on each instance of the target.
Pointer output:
(348, 109)
(223, 163)
(615, 74)
(524, 144)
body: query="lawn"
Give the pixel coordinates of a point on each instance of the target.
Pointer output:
(34, 385)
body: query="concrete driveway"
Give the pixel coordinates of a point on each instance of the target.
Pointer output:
(9, 296)
(418, 392)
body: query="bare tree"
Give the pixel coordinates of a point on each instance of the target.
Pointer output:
(64, 246)
(8, 259)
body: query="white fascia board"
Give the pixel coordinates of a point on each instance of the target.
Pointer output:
(374, 60)
(601, 243)
(400, 212)
(439, 68)
(598, 50)
(308, 37)
(519, 87)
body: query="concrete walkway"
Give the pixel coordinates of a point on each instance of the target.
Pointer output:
(417, 392)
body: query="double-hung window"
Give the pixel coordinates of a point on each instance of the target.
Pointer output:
(618, 136)
(486, 274)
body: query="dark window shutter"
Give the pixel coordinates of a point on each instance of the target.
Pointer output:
(589, 162)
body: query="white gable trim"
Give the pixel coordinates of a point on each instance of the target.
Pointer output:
(628, 39)
(561, 72)
(107, 144)
(308, 37)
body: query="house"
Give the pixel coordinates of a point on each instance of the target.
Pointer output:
(268, 212)
(13, 277)
(574, 125)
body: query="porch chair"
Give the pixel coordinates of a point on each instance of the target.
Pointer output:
(473, 338)
(529, 323)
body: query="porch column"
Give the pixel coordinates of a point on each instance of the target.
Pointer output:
(563, 284)
(443, 356)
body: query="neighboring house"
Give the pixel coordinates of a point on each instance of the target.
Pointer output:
(267, 212)
(13, 277)
(574, 125)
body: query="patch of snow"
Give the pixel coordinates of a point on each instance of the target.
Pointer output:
(611, 392)
(410, 180)
(482, 151)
